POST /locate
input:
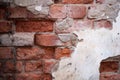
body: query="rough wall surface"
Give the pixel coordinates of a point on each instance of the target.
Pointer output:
(59, 40)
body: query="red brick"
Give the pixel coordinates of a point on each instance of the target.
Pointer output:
(47, 40)
(48, 65)
(34, 26)
(109, 66)
(57, 11)
(9, 66)
(18, 12)
(29, 53)
(28, 76)
(19, 66)
(77, 1)
(9, 77)
(76, 11)
(5, 26)
(2, 13)
(103, 24)
(6, 53)
(62, 52)
(110, 76)
(48, 53)
(33, 66)
(47, 77)
(100, 1)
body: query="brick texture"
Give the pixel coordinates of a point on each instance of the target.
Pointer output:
(77, 1)
(34, 26)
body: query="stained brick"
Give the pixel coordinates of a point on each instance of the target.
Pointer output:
(48, 65)
(33, 66)
(29, 53)
(34, 26)
(109, 66)
(47, 40)
(19, 66)
(57, 11)
(2, 13)
(6, 53)
(28, 76)
(62, 52)
(110, 76)
(5, 26)
(77, 1)
(47, 77)
(103, 24)
(76, 11)
(17, 12)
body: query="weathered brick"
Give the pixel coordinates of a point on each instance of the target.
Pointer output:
(76, 11)
(9, 77)
(48, 65)
(6, 53)
(47, 77)
(48, 53)
(109, 66)
(33, 66)
(34, 26)
(103, 24)
(62, 52)
(47, 40)
(28, 76)
(5, 40)
(77, 25)
(110, 76)
(2, 13)
(77, 1)
(29, 53)
(23, 39)
(17, 12)
(57, 11)
(5, 26)
(19, 66)
(9, 67)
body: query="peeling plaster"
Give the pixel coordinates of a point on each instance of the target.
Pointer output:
(84, 62)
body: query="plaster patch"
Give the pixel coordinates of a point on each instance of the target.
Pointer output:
(96, 46)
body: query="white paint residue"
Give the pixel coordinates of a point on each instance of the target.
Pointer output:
(38, 8)
(85, 61)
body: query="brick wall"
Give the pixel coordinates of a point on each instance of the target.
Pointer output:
(30, 45)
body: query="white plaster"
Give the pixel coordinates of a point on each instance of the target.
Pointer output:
(38, 8)
(85, 61)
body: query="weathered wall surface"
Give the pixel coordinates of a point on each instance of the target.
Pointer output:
(59, 40)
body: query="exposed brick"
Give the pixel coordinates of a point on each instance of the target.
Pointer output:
(2, 13)
(5, 26)
(47, 40)
(110, 76)
(9, 77)
(27, 53)
(62, 52)
(33, 66)
(9, 67)
(19, 66)
(48, 53)
(47, 77)
(103, 24)
(77, 1)
(76, 11)
(48, 65)
(57, 11)
(109, 66)
(100, 1)
(28, 76)
(6, 53)
(17, 12)
(34, 26)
